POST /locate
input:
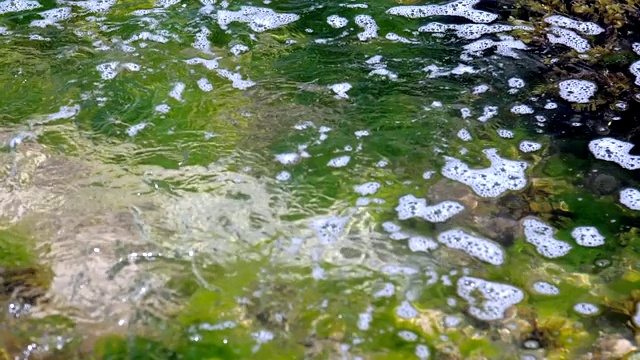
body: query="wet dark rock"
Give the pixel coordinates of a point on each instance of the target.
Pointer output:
(500, 229)
(513, 206)
(603, 184)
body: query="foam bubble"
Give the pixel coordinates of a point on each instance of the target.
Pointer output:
(134, 129)
(397, 38)
(283, 176)
(340, 161)
(369, 188)
(391, 227)
(211, 64)
(465, 113)
(636, 317)
(482, 88)
(504, 47)
(470, 31)
(236, 79)
(495, 298)
(505, 134)
(108, 70)
(544, 288)
(578, 91)
(587, 28)
(328, 229)
(369, 26)
(202, 42)
(568, 38)
(406, 310)
(529, 146)
(422, 352)
(388, 290)
(482, 249)
(515, 83)
(259, 19)
(587, 236)
(488, 113)
(162, 108)
(336, 21)
(610, 149)
(51, 17)
(91, 5)
(18, 5)
(464, 135)
(287, 158)
(361, 133)
(177, 90)
(409, 207)
(205, 85)
(501, 176)
(586, 309)
(630, 198)
(238, 49)
(408, 335)
(541, 236)
(635, 70)
(364, 319)
(340, 90)
(463, 8)
(550, 105)
(421, 243)
(461, 69)
(522, 109)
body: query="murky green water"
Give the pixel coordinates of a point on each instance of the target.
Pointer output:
(308, 179)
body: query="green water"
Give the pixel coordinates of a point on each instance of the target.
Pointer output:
(166, 198)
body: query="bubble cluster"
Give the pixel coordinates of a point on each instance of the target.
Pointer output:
(529, 146)
(635, 67)
(406, 310)
(522, 109)
(488, 113)
(388, 290)
(409, 207)
(328, 229)
(587, 236)
(470, 31)
(587, 28)
(630, 198)
(336, 21)
(568, 38)
(134, 129)
(544, 288)
(464, 135)
(501, 176)
(540, 235)
(407, 335)
(369, 188)
(463, 8)
(369, 26)
(340, 161)
(614, 150)
(51, 17)
(505, 134)
(421, 244)
(586, 309)
(340, 90)
(8, 6)
(495, 298)
(422, 352)
(482, 249)
(577, 91)
(205, 85)
(259, 19)
(504, 47)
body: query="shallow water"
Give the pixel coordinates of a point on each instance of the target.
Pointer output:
(289, 179)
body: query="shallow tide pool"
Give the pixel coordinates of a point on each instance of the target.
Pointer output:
(313, 180)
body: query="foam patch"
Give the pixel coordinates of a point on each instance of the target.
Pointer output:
(544, 288)
(369, 188)
(369, 26)
(586, 309)
(470, 31)
(462, 8)
(630, 198)
(587, 28)
(259, 19)
(617, 151)
(587, 236)
(505, 134)
(340, 161)
(9, 6)
(482, 249)
(529, 146)
(540, 235)
(522, 109)
(488, 300)
(493, 181)
(464, 135)
(336, 21)
(504, 47)
(422, 244)
(410, 207)
(568, 38)
(329, 229)
(51, 17)
(340, 90)
(577, 91)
